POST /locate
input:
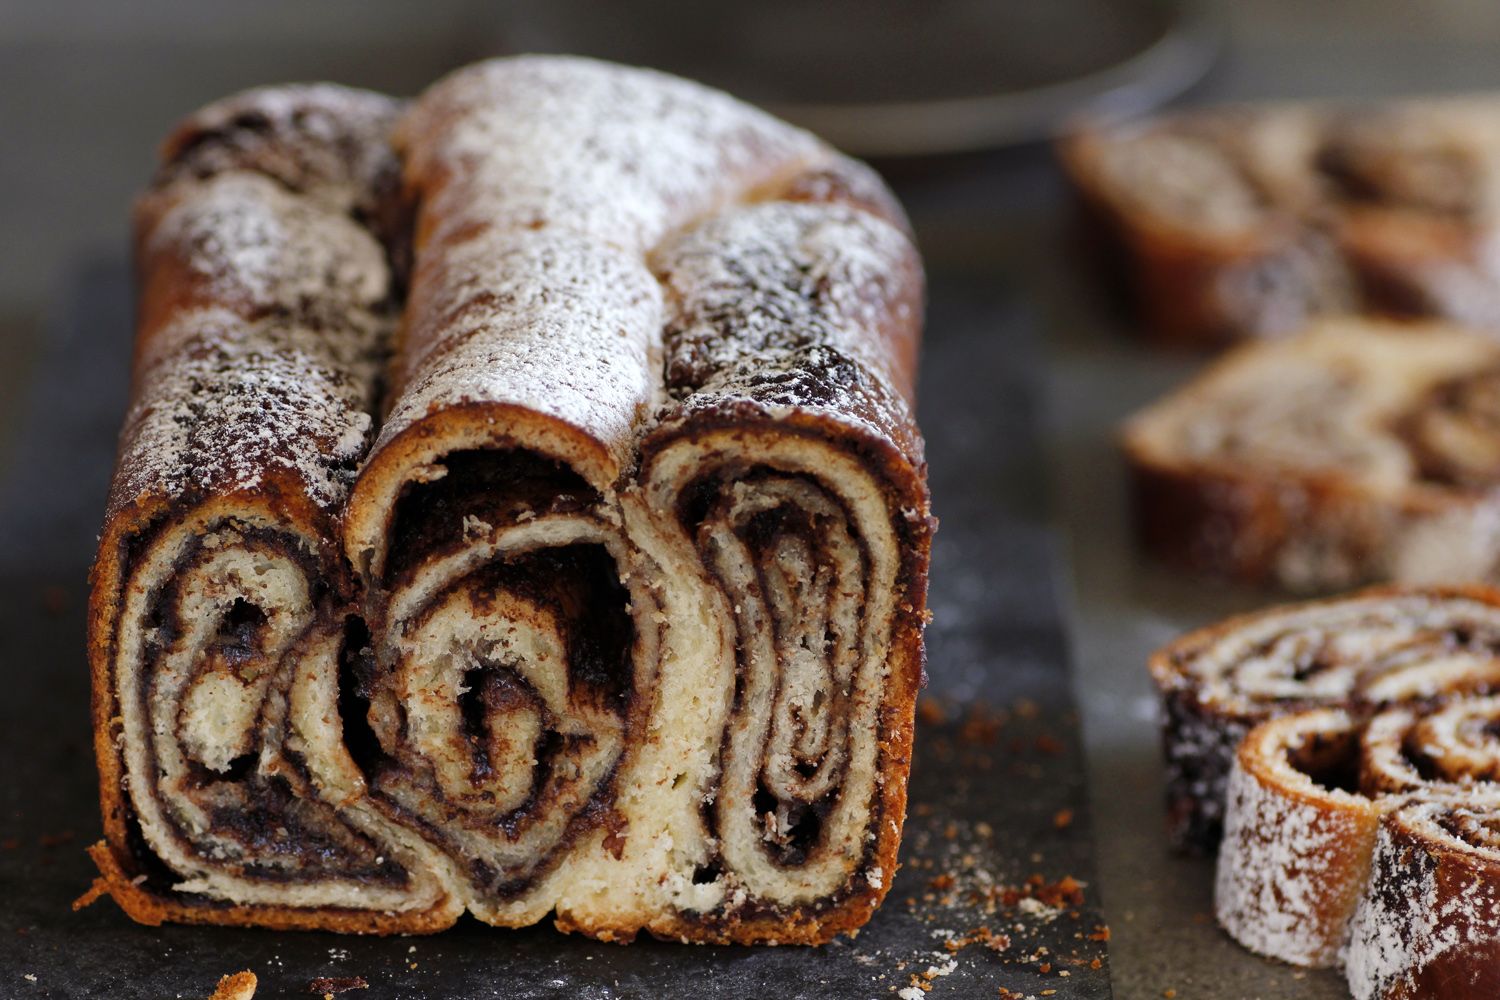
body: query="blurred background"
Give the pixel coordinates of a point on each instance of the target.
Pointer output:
(88, 87)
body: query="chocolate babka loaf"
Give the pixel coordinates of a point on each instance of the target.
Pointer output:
(520, 512)
(1247, 221)
(1361, 813)
(1354, 452)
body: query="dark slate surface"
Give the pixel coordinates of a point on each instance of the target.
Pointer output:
(998, 792)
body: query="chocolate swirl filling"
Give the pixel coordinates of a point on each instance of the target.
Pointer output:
(508, 676)
(1359, 653)
(229, 676)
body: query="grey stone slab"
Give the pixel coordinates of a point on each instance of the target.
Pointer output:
(998, 793)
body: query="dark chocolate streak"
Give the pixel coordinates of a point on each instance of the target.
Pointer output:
(278, 820)
(695, 508)
(580, 585)
(495, 486)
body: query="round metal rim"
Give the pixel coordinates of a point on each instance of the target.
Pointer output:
(1136, 84)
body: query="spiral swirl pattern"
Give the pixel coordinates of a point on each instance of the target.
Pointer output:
(1362, 652)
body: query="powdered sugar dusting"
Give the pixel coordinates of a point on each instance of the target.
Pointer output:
(264, 309)
(536, 191)
(551, 321)
(246, 401)
(781, 305)
(1434, 897)
(1295, 855)
(621, 155)
(257, 247)
(544, 184)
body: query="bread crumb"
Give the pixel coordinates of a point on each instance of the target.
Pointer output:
(91, 894)
(238, 986)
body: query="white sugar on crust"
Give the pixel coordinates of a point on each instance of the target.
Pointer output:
(265, 310)
(246, 400)
(549, 321)
(1295, 855)
(542, 183)
(256, 246)
(783, 305)
(1434, 898)
(1365, 651)
(545, 184)
(777, 276)
(622, 155)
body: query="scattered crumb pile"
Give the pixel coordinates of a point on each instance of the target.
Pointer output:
(967, 899)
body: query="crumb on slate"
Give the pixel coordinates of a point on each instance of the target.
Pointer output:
(237, 986)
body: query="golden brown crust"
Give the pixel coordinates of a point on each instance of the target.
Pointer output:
(1170, 274)
(1230, 524)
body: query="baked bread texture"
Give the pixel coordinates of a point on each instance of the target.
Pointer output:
(1361, 801)
(1356, 451)
(1358, 653)
(1249, 221)
(520, 512)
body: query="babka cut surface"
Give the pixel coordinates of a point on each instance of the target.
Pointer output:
(521, 512)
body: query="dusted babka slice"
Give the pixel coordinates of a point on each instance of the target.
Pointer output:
(1359, 653)
(1355, 451)
(1361, 811)
(1297, 838)
(1247, 221)
(1372, 842)
(1428, 925)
